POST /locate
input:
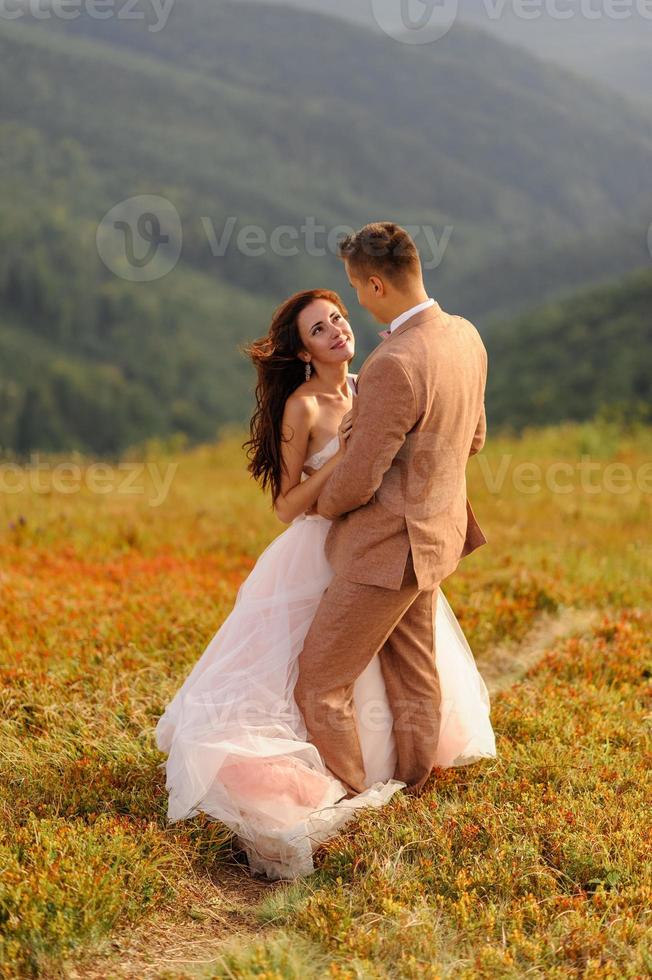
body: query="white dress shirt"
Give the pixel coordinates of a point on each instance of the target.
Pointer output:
(406, 316)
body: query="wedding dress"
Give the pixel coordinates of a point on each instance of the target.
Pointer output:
(236, 742)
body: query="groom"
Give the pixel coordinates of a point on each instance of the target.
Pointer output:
(401, 518)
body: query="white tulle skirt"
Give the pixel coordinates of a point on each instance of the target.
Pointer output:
(236, 742)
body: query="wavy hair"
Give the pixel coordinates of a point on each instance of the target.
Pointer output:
(280, 372)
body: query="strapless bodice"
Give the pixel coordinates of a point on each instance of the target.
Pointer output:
(317, 460)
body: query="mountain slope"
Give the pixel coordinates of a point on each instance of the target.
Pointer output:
(207, 119)
(614, 51)
(567, 360)
(470, 128)
(266, 123)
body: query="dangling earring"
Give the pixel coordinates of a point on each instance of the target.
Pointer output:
(308, 370)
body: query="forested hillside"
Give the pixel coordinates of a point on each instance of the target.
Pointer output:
(571, 360)
(265, 117)
(612, 48)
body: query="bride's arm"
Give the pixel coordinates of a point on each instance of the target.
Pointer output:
(305, 494)
(296, 497)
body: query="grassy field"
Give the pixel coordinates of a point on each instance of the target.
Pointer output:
(537, 864)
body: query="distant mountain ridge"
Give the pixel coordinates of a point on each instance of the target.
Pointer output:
(480, 95)
(256, 114)
(615, 51)
(456, 139)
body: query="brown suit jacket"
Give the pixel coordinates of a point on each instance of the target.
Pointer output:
(418, 416)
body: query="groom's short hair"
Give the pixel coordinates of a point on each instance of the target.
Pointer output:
(382, 249)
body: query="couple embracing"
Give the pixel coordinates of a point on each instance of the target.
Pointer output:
(341, 675)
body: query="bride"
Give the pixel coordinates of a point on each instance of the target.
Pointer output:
(235, 739)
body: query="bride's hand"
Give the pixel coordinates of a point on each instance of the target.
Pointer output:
(344, 431)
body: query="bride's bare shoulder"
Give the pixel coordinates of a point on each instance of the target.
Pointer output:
(303, 393)
(302, 402)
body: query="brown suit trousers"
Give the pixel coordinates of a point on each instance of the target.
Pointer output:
(354, 622)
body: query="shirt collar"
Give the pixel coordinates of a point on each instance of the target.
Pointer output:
(409, 313)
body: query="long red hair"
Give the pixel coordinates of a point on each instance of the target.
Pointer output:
(280, 372)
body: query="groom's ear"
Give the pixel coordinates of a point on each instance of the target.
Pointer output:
(377, 285)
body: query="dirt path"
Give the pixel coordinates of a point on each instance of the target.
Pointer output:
(508, 662)
(177, 942)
